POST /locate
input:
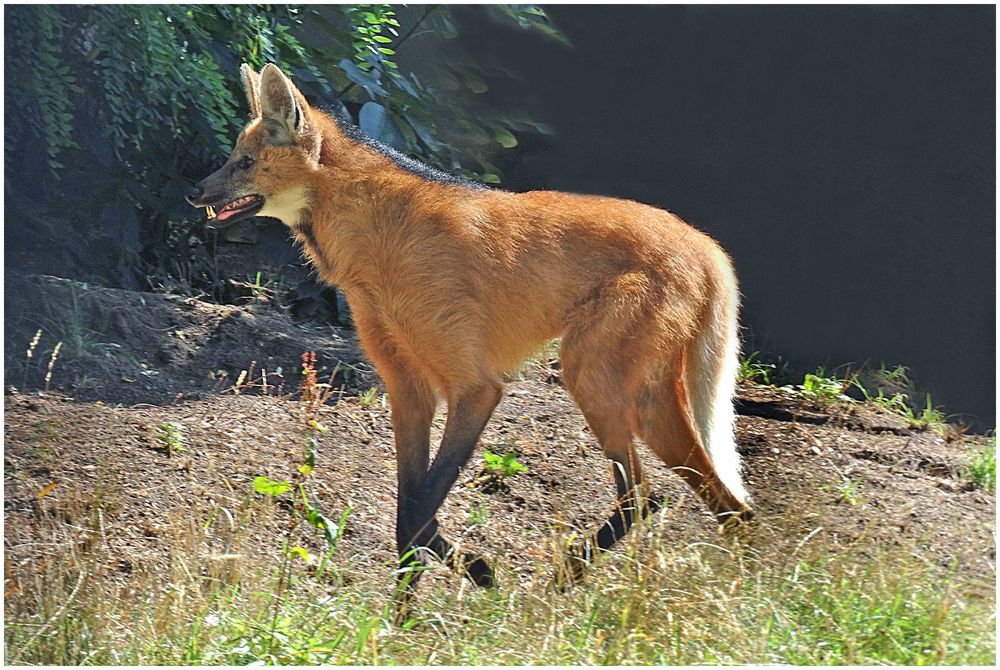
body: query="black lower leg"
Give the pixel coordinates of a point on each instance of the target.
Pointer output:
(467, 416)
(474, 568)
(471, 566)
(629, 508)
(631, 503)
(579, 555)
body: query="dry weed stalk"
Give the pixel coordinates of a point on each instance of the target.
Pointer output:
(31, 353)
(52, 362)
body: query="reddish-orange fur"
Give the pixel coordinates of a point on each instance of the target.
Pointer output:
(451, 287)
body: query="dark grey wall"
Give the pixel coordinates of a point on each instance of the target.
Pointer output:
(843, 155)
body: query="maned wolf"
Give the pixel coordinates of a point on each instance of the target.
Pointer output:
(452, 284)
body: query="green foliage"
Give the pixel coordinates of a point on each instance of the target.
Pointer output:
(269, 487)
(859, 617)
(981, 469)
(260, 289)
(894, 403)
(898, 375)
(821, 388)
(751, 370)
(372, 27)
(928, 417)
(431, 112)
(368, 398)
(116, 110)
(849, 491)
(479, 514)
(504, 466)
(299, 634)
(172, 435)
(40, 91)
(305, 509)
(532, 17)
(754, 370)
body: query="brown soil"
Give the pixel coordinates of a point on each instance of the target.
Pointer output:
(860, 476)
(130, 347)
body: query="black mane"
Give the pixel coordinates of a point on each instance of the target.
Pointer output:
(340, 116)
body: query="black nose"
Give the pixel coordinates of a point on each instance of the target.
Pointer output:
(194, 194)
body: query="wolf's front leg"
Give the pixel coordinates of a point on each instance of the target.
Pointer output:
(467, 416)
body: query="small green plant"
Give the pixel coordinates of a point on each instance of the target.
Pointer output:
(369, 398)
(929, 417)
(269, 487)
(821, 388)
(504, 466)
(897, 376)
(895, 403)
(261, 290)
(479, 514)
(172, 436)
(303, 500)
(981, 469)
(751, 370)
(312, 398)
(849, 491)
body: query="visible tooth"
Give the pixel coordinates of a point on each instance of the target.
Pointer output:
(211, 212)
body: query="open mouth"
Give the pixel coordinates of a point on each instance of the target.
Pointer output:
(235, 210)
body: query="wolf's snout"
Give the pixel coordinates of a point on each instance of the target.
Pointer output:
(195, 194)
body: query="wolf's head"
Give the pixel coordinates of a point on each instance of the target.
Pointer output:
(274, 152)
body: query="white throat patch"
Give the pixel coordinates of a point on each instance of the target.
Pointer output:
(287, 205)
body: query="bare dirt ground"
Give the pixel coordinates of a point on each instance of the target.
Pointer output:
(854, 474)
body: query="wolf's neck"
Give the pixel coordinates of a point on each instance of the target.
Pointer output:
(288, 206)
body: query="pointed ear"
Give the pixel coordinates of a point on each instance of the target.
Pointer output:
(284, 118)
(251, 86)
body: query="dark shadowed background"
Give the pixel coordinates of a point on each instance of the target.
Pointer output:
(844, 156)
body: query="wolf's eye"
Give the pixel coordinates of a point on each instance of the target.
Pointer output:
(245, 163)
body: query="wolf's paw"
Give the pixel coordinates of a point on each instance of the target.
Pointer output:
(737, 524)
(475, 569)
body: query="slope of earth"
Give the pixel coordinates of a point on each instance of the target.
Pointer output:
(110, 496)
(849, 484)
(117, 345)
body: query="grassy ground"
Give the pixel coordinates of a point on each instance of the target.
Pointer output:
(771, 596)
(142, 535)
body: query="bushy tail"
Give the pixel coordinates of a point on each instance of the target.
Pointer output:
(712, 372)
